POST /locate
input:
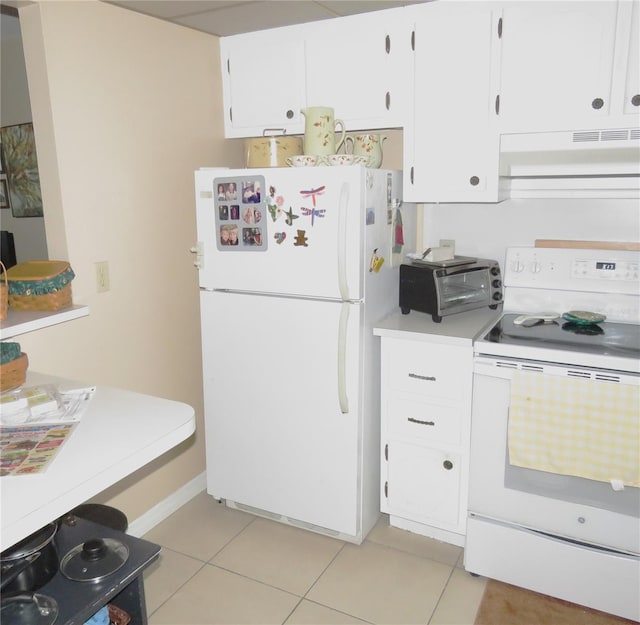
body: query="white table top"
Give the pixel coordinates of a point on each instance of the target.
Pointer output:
(119, 433)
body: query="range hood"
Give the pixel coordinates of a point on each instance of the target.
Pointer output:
(592, 163)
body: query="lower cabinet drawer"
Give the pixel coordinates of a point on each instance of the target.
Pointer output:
(417, 420)
(433, 370)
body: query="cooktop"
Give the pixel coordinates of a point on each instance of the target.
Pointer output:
(604, 339)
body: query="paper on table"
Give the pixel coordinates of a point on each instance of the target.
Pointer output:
(28, 447)
(44, 403)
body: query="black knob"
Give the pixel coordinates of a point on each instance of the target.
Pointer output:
(474, 180)
(448, 465)
(93, 550)
(289, 114)
(496, 284)
(598, 103)
(497, 296)
(495, 270)
(635, 100)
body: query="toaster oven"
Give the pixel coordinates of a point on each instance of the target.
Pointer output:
(450, 287)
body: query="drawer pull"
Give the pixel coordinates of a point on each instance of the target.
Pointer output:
(418, 421)
(428, 378)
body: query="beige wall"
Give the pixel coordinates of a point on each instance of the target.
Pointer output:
(125, 108)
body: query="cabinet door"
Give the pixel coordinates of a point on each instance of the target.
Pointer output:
(557, 64)
(631, 105)
(423, 484)
(451, 143)
(263, 83)
(359, 69)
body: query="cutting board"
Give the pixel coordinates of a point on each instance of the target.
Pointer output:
(589, 245)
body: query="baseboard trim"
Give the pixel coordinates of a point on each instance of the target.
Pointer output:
(140, 526)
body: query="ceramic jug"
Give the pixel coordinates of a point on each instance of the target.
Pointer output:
(367, 145)
(271, 151)
(320, 131)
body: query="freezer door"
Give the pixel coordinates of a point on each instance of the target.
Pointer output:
(296, 231)
(281, 434)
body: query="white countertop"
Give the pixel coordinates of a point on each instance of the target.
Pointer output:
(458, 329)
(119, 433)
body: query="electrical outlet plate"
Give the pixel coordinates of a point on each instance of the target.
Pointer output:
(102, 276)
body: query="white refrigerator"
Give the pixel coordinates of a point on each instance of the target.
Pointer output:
(296, 265)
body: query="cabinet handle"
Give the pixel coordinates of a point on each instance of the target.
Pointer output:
(448, 465)
(500, 28)
(474, 181)
(411, 175)
(597, 103)
(635, 100)
(386, 451)
(497, 105)
(387, 100)
(387, 44)
(290, 114)
(419, 422)
(413, 40)
(230, 114)
(274, 132)
(428, 378)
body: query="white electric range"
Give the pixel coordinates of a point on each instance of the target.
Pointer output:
(555, 444)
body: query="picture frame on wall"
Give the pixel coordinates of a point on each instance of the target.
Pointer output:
(21, 170)
(4, 192)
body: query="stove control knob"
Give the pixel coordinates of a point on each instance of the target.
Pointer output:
(517, 266)
(536, 267)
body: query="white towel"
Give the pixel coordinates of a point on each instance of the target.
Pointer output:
(575, 427)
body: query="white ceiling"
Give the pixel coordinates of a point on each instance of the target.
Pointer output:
(230, 17)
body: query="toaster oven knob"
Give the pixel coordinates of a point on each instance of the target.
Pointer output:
(495, 270)
(497, 296)
(496, 284)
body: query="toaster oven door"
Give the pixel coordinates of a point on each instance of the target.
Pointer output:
(464, 290)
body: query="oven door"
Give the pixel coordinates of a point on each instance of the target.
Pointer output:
(463, 289)
(577, 508)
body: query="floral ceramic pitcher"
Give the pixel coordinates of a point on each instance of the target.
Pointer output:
(367, 145)
(320, 131)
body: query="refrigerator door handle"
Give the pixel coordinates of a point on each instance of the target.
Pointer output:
(343, 205)
(343, 400)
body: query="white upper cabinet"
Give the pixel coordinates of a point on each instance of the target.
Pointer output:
(352, 64)
(358, 65)
(263, 81)
(451, 142)
(629, 29)
(565, 64)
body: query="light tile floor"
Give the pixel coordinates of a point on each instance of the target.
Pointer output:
(224, 566)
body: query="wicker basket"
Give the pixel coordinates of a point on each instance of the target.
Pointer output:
(13, 373)
(50, 301)
(4, 292)
(40, 285)
(118, 616)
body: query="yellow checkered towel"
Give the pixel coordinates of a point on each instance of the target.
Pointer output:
(575, 427)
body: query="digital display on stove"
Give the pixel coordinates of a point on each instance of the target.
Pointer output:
(606, 266)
